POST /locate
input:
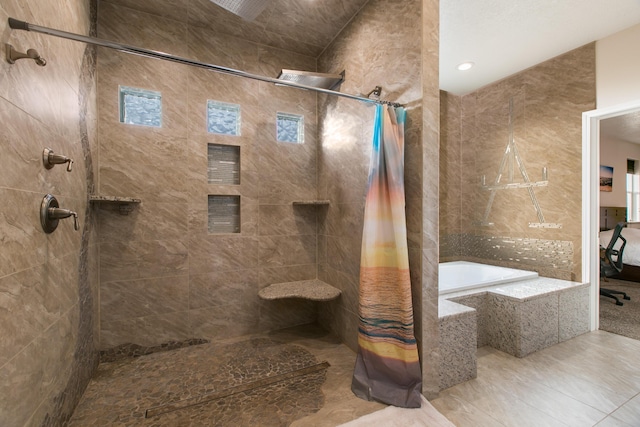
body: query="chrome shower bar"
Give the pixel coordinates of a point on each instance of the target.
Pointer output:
(21, 25)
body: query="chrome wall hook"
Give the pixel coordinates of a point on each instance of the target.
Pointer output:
(50, 159)
(13, 55)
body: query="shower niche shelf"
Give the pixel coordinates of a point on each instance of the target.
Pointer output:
(314, 289)
(125, 204)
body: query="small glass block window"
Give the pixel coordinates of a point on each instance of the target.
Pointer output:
(140, 107)
(224, 214)
(223, 118)
(290, 128)
(224, 164)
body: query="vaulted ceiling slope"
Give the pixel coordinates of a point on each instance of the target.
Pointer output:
(305, 27)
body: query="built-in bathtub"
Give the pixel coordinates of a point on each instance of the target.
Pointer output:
(513, 311)
(463, 275)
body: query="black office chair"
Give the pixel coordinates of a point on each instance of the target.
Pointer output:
(611, 262)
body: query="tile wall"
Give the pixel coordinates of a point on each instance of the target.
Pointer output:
(48, 282)
(163, 276)
(403, 34)
(548, 102)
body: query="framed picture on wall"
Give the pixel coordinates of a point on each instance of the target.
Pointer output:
(606, 178)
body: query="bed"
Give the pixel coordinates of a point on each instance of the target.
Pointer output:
(609, 217)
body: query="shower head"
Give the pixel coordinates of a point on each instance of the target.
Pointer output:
(310, 78)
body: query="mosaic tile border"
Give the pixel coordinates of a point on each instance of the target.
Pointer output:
(538, 253)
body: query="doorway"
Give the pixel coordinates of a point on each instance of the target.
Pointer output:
(591, 197)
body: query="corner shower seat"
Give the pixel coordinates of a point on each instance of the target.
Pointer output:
(314, 289)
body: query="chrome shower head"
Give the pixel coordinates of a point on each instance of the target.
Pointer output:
(310, 78)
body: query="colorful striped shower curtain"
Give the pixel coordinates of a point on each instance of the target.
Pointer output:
(387, 367)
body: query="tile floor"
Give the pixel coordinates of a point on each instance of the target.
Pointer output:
(591, 380)
(242, 382)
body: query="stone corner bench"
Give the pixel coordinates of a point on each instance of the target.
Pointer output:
(314, 289)
(517, 318)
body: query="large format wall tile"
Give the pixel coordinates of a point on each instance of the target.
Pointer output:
(139, 298)
(49, 317)
(24, 243)
(142, 259)
(165, 243)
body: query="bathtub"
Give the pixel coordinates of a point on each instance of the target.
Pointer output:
(462, 275)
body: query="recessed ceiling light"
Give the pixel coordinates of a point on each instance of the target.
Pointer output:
(465, 66)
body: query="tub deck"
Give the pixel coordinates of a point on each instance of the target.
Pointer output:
(518, 318)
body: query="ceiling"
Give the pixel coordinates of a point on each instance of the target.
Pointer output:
(503, 37)
(622, 128)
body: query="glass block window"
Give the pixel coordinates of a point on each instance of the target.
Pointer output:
(140, 107)
(224, 214)
(290, 128)
(224, 164)
(223, 118)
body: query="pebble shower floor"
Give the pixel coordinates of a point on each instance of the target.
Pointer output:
(263, 380)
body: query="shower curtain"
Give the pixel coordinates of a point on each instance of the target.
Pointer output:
(387, 366)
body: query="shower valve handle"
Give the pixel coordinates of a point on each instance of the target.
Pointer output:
(58, 213)
(50, 159)
(51, 214)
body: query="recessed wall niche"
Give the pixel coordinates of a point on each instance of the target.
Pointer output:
(140, 107)
(223, 164)
(224, 214)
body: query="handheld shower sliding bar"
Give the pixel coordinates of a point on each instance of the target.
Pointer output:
(25, 26)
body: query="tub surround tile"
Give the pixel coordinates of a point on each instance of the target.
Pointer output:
(458, 343)
(479, 303)
(528, 316)
(573, 304)
(536, 320)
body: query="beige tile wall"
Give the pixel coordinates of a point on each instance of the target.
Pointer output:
(162, 275)
(48, 282)
(392, 44)
(548, 102)
(186, 283)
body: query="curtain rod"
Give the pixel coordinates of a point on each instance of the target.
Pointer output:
(21, 25)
